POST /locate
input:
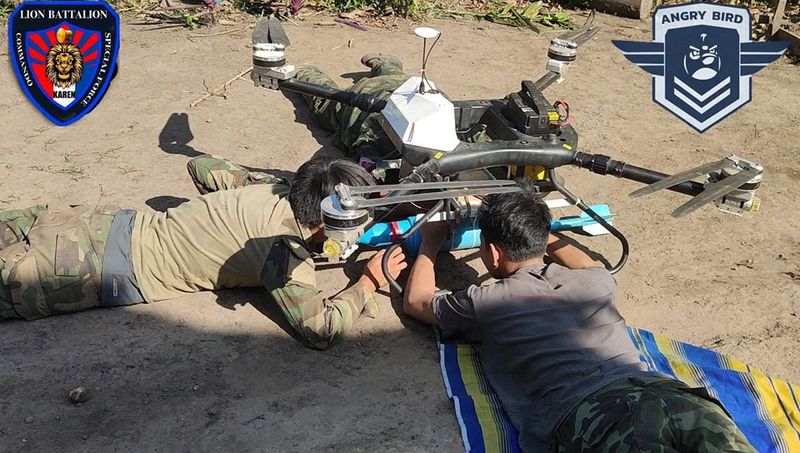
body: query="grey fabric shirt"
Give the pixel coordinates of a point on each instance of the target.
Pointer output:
(547, 337)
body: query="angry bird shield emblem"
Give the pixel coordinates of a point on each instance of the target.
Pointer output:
(701, 59)
(64, 55)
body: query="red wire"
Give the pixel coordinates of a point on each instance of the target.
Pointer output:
(567, 117)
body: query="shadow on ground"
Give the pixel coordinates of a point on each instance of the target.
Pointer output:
(176, 135)
(235, 384)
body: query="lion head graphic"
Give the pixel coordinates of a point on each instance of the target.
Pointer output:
(64, 61)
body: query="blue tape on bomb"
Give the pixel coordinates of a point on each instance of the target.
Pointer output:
(466, 233)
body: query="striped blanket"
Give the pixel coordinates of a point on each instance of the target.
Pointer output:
(765, 409)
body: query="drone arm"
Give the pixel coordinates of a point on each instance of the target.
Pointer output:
(604, 165)
(547, 80)
(361, 101)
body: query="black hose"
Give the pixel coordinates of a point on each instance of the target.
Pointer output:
(360, 101)
(646, 176)
(604, 165)
(417, 225)
(554, 156)
(551, 174)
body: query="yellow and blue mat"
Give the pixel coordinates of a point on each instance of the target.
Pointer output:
(765, 409)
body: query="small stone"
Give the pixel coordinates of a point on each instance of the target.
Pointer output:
(239, 395)
(24, 440)
(195, 387)
(84, 437)
(78, 395)
(29, 419)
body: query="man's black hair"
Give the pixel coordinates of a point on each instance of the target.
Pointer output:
(517, 222)
(316, 179)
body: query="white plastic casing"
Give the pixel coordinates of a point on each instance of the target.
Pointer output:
(425, 120)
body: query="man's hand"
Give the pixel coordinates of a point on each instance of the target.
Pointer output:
(433, 234)
(373, 277)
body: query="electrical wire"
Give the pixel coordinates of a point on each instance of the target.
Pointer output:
(566, 118)
(572, 198)
(421, 221)
(425, 56)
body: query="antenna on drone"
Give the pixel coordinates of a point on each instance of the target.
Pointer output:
(426, 33)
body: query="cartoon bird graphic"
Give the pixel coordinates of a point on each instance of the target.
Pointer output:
(650, 56)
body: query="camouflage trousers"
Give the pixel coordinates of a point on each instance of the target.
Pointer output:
(649, 414)
(212, 173)
(51, 260)
(357, 133)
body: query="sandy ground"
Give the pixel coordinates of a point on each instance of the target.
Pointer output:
(216, 372)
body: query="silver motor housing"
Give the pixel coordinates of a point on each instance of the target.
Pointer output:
(343, 227)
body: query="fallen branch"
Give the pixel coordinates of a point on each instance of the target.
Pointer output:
(350, 23)
(221, 90)
(178, 7)
(218, 33)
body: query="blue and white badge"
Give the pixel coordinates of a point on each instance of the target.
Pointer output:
(64, 54)
(701, 59)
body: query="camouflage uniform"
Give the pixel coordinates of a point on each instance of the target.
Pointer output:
(51, 260)
(650, 414)
(211, 173)
(358, 133)
(288, 273)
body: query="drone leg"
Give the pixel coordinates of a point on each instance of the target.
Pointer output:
(417, 225)
(551, 174)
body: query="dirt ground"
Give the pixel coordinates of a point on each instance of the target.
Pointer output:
(217, 372)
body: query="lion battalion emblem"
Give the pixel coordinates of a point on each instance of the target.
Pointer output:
(64, 54)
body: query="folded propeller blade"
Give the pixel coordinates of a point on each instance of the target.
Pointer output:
(270, 30)
(715, 190)
(277, 35)
(581, 35)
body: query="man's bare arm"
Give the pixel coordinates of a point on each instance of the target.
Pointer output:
(421, 285)
(568, 255)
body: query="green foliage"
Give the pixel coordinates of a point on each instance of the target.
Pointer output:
(192, 21)
(412, 9)
(517, 14)
(6, 8)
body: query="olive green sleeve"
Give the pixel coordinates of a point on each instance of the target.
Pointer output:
(288, 276)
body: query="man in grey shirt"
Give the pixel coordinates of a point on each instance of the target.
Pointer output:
(554, 346)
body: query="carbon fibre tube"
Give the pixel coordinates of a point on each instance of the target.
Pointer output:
(604, 165)
(360, 101)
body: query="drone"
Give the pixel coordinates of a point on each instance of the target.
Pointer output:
(445, 175)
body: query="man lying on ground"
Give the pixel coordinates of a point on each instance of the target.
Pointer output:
(249, 230)
(554, 347)
(358, 133)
